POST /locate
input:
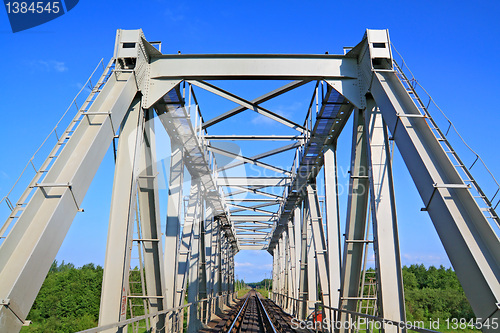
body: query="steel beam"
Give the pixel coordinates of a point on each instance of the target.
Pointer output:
(332, 224)
(312, 272)
(194, 323)
(468, 238)
(253, 66)
(356, 216)
(391, 303)
(253, 181)
(303, 278)
(173, 227)
(29, 250)
(254, 137)
(320, 246)
(248, 160)
(248, 105)
(254, 190)
(263, 155)
(298, 252)
(115, 281)
(149, 209)
(268, 96)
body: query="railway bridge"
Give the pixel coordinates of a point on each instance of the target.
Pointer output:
(284, 209)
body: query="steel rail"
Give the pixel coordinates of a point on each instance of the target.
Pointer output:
(267, 315)
(239, 313)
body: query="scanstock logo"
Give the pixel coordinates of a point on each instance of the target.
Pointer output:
(28, 14)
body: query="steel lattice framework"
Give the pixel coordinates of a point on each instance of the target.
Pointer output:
(282, 213)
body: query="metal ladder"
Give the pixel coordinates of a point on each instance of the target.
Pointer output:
(484, 202)
(17, 210)
(369, 307)
(138, 300)
(367, 302)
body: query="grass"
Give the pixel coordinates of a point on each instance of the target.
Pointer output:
(242, 292)
(263, 292)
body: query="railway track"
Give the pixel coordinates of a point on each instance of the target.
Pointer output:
(256, 314)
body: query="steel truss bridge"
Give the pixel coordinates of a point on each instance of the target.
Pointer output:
(281, 213)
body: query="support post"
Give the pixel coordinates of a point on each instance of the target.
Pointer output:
(173, 224)
(356, 217)
(115, 282)
(332, 224)
(385, 225)
(150, 224)
(303, 281)
(320, 249)
(194, 323)
(312, 281)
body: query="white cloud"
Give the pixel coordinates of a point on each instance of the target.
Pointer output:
(243, 264)
(59, 66)
(285, 111)
(49, 66)
(173, 17)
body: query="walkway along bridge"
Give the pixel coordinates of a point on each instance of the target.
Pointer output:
(281, 214)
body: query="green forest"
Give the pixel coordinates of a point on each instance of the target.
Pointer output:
(70, 296)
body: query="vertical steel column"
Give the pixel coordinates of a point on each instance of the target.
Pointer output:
(291, 264)
(115, 282)
(284, 273)
(385, 226)
(223, 275)
(214, 266)
(303, 281)
(218, 265)
(203, 285)
(320, 249)
(186, 248)
(275, 270)
(173, 226)
(298, 235)
(149, 209)
(32, 244)
(278, 271)
(312, 272)
(209, 229)
(194, 323)
(356, 216)
(284, 265)
(332, 224)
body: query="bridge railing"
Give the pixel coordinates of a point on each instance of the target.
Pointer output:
(351, 321)
(174, 315)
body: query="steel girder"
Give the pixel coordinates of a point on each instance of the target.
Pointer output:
(32, 244)
(384, 218)
(356, 216)
(115, 282)
(468, 238)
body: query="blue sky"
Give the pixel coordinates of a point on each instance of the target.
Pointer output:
(449, 45)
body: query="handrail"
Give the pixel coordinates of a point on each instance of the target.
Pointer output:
(6, 197)
(364, 315)
(155, 314)
(451, 125)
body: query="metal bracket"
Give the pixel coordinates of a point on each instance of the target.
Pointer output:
(6, 302)
(436, 186)
(399, 115)
(68, 185)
